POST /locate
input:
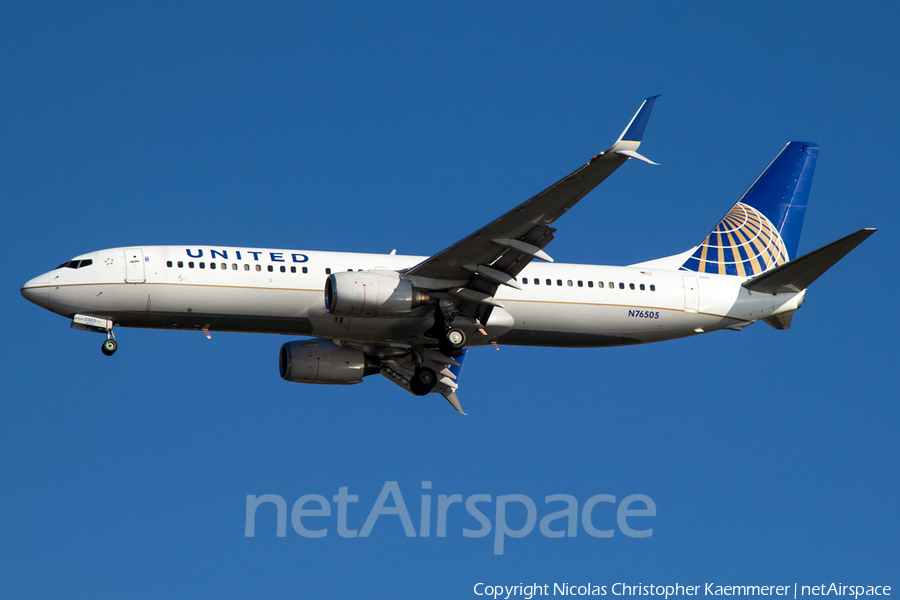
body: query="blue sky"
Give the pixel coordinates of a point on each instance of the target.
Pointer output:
(772, 457)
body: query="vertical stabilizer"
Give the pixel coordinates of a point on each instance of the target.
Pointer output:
(762, 230)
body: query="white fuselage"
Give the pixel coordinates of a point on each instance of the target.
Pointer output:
(281, 291)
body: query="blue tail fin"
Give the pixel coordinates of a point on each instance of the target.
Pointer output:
(762, 230)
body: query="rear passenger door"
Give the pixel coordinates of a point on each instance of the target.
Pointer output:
(691, 294)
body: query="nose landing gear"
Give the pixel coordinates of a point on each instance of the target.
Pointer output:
(98, 325)
(109, 347)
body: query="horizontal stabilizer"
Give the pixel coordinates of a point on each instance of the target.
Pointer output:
(796, 275)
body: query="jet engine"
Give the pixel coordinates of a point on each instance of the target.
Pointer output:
(319, 361)
(371, 294)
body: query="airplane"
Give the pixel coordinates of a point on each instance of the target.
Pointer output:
(412, 319)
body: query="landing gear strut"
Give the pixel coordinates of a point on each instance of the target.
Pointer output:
(110, 346)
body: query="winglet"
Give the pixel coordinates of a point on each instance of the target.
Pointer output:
(630, 140)
(635, 130)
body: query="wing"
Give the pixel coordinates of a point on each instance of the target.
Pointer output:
(473, 268)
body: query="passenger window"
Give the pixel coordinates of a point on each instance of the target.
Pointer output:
(600, 284)
(621, 286)
(548, 281)
(631, 285)
(328, 271)
(191, 265)
(203, 265)
(537, 281)
(270, 268)
(559, 282)
(259, 267)
(169, 263)
(569, 282)
(180, 264)
(612, 285)
(525, 280)
(283, 269)
(234, 266)
(224, 267)
(642, 287)
(652, 288)
(293, 269)
(305, 270)
(211, 265)
(580, 283)
(246, 267)
(590, 284)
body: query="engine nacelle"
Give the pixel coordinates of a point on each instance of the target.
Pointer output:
(371, 294)
(318, 361)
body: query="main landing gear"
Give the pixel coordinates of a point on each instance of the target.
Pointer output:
(450, 340)
(422, 381)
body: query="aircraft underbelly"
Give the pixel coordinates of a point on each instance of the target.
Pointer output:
(592, 325)
(168, 306)
(399, 329)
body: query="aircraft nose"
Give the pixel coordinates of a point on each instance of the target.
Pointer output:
(37, 290)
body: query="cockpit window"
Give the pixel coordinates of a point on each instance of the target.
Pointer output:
(76, 264)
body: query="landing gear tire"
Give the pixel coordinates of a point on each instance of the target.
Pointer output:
(456, 338)
(423, 381)
(109, 347)
(452, 342)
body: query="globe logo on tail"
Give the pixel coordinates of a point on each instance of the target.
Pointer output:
(744, 243)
